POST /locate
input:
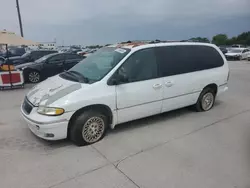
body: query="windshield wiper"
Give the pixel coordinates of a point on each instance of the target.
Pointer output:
(79, 76)
(69, 76)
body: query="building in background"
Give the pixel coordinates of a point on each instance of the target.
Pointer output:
(48, 45)
(43, 45)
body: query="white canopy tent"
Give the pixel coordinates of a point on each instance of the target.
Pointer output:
(10, 38)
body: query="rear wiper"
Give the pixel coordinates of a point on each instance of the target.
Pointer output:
(80, 76)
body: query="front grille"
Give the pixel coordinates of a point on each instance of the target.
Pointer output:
(27, 106)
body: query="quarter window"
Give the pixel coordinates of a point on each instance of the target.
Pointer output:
(140, 66)
(175, 60)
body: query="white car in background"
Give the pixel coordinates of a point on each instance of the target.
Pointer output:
(237, 53)
(237, 46)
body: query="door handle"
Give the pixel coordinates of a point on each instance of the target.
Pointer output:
(169, 83)
(156, 86)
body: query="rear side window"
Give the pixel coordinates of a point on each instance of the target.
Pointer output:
(175, 60)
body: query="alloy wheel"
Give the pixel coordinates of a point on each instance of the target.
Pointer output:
(34, 77)
(93, 129)
(207, 101)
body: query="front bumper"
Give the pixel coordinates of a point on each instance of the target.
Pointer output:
(232, 57)
(47, 127)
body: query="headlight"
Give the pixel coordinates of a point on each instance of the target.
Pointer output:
(50, 111)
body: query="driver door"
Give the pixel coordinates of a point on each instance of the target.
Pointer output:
(54, 65)
(142, 93)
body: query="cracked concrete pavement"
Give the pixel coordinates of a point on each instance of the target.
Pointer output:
(175, 149)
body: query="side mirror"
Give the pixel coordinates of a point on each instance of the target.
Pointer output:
(118, 79)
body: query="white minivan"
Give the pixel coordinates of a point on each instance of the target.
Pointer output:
(124, 82)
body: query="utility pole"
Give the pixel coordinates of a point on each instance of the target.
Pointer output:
(19, 18)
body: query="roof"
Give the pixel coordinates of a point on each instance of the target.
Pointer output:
(144, 44)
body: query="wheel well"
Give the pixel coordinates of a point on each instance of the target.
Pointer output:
(213, 87)
(97, 107)
(26, 72)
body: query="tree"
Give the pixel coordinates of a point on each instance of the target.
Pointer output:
(244, 38)
(199, 39)
(220, 39)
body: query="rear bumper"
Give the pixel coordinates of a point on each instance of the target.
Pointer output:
(222, 89)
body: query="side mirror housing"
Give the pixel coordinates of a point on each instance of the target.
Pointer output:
(118, 79)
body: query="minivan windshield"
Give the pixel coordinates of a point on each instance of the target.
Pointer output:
(97, 65)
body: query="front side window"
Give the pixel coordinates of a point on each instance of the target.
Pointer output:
(44, 58)
(95, 67)
(139, 66)
(56, 58)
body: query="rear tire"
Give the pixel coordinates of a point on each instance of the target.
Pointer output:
(88, 128)
(206, 100)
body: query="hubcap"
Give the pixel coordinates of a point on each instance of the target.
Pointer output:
(34, 77)
(207, 101)
(93, 129)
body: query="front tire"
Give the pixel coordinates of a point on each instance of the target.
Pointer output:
(206, 100)
(33, 76)
(88, 128)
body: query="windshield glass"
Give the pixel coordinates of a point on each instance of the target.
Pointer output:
(236, 50)
(96, 66)
(26, 54)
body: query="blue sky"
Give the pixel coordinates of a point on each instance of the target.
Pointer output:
(108, 21)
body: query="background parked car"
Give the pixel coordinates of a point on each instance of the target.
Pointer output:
(2, 60)
(237, 46)
(48, 66)
(13, 51)
(30, 56)
(223, 49)
(237, 53)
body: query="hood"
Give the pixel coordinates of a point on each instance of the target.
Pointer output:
(51, 90)
(24, 65)
(232, 54)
